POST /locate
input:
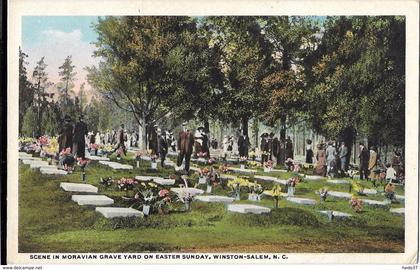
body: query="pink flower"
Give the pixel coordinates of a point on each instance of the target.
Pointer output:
(163, 192)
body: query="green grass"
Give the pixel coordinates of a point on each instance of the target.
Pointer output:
(50, 222)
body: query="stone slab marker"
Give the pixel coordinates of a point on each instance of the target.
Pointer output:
(399, 211)
(338, 194)
(304, 201)
(247, 208)
(98, 200)
(113, 212)
(215, 199)
(52, 171)
(76, 187)
(338, 181)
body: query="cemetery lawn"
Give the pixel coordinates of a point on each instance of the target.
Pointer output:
(50, 222)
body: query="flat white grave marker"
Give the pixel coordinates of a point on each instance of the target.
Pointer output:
(52, 171)
(338, 194)
(338, 181)
(314, 177)
(304, 201)
(164, 182)
(97, 200)
(190, 191)
(376, 203)
(247, 208)
(77, 187)
(215, 199)
(399, 211)
(112, 212)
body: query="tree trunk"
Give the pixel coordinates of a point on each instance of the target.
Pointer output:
(255, 127)
(283, 127)
(244, 125)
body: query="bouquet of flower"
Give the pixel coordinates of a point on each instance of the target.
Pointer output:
(255, 190)
(43, 140)
(243, 160)
(201, 154)
(94, 146)
(293, 181)
(204, 172)
(211, 161)
(254, 164)
(357, 187)
(268, 164)
(275, 192)
(356, 204)
(52, 148)
(119, 152)
(126, 184)
(296, 167)
(389, 192)
(236, 185)
(163, 200)
(224, 168)
(153, 158)
(323, 192)
(106, 148)
(106, 181)
(139, 154)
(82, 163)
(252, 155)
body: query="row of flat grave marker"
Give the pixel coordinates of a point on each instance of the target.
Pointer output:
(97, 158)
(398, 211)
(271, 179)
(116, 165)
(43, 166)
(99, 201)
(335, 214)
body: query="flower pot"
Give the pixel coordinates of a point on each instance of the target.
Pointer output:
(153, 165)
(237, 196)
(83, 176)
(290, 191)
(267, 169)
(252, 197)
(202, 180)
(242, 167)
(146, 210)
(208, 190)
(187, 205)
(138, 163)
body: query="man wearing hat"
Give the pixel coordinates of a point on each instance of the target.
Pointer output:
(66, 136)
(162, 146)
(185, 146)
(264, 147)
(243, 145)
(153, 140)
(121, 140)
(80, 131)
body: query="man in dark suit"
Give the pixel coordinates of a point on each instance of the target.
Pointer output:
(364, 162)
(162, 147)
(121, 139)
(79, 133)
(289, 148)
(243, 145)
(153, 140)
(66, 136)
(185, 147)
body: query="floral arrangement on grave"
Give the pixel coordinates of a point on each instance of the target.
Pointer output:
(268, 165)
(201, 154)
(82, 163)
(51, 149)
(252, 155)
(94, 146)
(186, 197)
(323, 192)
(275, 193)
(389, 192)
(211, 161)
(106, 149)
(163, 202)
(139, 154)
(255, 191)
(289, 163)
(106, 181)
(125, 184)
(356, 187)
(254, 164)
(224, 168)
(153, 158)
(291, 184)
(43, 140)
(356, 204)
(25, 142)
(236, 185)
(119, 152)
(67, 159)
(296, 167)
(243, 160)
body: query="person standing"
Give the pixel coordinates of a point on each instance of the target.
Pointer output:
(309, 152)
(373, 161)
(281, 152)
(270, 145)
(343, 157)
(121, 140)
(330, 153)
(153, 140)
(289, 148)
(79, 133)
(66, 136)
(321, 161)
(163, 147)
(364, 161)
(185, 147)
(264, 148)
(243, 145)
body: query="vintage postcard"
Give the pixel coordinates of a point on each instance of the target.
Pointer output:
(213, 132)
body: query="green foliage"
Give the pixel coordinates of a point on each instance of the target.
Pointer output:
(26, 91)
(49, 122)
(30, 122)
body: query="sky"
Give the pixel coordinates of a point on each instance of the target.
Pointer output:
(56, 37)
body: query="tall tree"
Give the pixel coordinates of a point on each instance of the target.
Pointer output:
(356, 80)
(135, 71)
(291, 38)
(26, 90)
(66, 86)
(245, 61)
(41, 83)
